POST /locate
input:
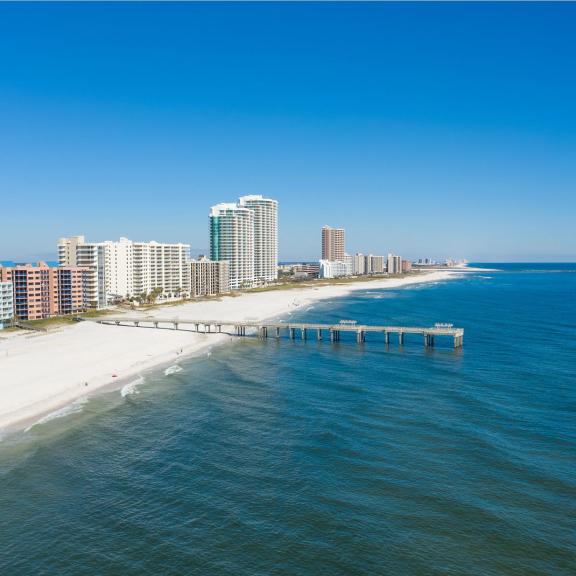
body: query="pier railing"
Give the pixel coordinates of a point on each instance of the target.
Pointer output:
(293, 330)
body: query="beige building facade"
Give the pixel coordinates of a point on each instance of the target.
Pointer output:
(333, 245)
(209, 277)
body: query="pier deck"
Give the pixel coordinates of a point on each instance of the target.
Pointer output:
(292, 329)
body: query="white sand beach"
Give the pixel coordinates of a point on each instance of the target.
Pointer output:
(40, 373)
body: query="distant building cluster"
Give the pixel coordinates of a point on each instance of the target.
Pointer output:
(96, 275)
(431, 263)
(243, 238)
(336, 262)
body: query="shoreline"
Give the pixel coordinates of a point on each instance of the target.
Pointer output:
(44, 373)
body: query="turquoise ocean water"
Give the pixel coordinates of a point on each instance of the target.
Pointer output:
(306, 458)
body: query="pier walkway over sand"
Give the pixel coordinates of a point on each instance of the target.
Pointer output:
(291, 329)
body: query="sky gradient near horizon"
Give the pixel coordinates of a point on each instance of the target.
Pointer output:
(441, 130)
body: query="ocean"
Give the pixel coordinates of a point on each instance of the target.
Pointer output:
(311, 458)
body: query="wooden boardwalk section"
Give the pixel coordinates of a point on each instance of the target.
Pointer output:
(292, 330)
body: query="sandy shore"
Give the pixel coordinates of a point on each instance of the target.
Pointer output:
(40, 373)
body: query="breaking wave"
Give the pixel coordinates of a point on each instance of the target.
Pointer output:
(172, 370)
(73, 408)
(130, 388)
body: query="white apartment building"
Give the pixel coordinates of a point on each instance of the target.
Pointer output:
(163, 266)
(209, 277)
(265, 236)
(124, 268)
(334, 268)
(394, 264)
(119, 269)
(232, 239)
(359, 264)
(6, 303)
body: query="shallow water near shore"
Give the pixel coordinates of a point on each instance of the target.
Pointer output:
(312, 458)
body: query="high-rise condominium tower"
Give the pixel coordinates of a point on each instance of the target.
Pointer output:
(332, 243)
(265, 236)
(232, 239)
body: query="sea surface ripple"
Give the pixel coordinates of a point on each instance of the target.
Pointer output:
(310, 458)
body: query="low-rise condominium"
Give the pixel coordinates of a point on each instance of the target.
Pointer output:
(42, 291)
(334, 268)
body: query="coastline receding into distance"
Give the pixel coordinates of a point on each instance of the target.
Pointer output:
(42, 373)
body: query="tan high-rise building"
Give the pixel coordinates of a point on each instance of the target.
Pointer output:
(332, 243)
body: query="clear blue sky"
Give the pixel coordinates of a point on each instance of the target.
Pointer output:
(423, 129)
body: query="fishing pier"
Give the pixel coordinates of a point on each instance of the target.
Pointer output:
(292, 330)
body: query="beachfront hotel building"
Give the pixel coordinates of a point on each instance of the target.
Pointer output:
(333, 247)
(265, 236)
(209, 277)
(6, 304)
(42, 291)
(232, 239)
(334, 268)
(122, 269)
